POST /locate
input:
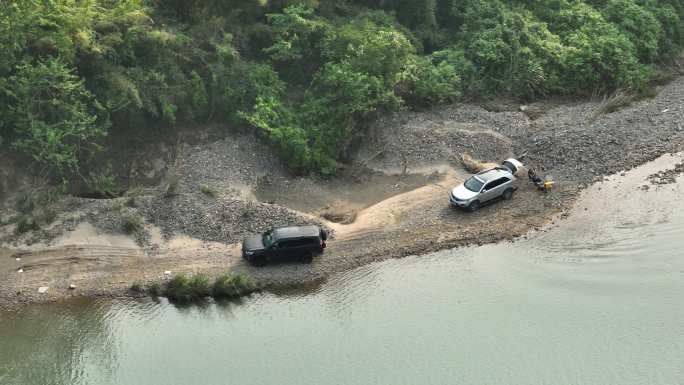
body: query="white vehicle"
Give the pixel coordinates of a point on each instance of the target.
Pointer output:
(487, 186)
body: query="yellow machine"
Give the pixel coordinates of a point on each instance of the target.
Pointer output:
(544, 185)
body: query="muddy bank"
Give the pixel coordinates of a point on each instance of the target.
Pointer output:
(411, 223)
(391, 201)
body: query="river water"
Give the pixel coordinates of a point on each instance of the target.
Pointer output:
(598, 299)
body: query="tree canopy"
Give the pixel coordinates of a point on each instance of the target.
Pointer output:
(308, 74)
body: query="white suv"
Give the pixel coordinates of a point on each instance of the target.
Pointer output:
(487, 186)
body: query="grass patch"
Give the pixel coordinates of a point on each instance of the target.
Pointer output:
(232, 285)
(130, 202)
(47, 215)
(28, 202)
(208, 191)
(137, 288)
(154, 289)
(248, 211)
(185, 288)
(618, 100)
(132, 223)
(173, 183)
(26, 224)
(104, 185)
(182, 288)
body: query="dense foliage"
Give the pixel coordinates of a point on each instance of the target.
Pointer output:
(307, 74)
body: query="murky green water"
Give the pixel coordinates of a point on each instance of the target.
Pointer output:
(598, 300)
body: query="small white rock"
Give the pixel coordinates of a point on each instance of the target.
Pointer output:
(72, 287)
(20, 271)
(167, 272)
(17, 259)
(43, 289)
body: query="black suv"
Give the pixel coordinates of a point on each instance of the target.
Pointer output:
(298, 243)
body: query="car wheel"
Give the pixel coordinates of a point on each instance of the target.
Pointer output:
(508, 194)
(258, 261)
(306, 258)
(474, 206)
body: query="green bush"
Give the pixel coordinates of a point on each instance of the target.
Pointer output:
(638, 24)
(358, 66)
(53, 115)
(154, 289)
(26, 224)
(172, 183)
(182, 288)
(232, 285)
(104, 183)
(208, 191)
(308, 75)
(599, 56)
(137, 288)
(199, 285)
(132, 223)
(426, 83)
(46, 215)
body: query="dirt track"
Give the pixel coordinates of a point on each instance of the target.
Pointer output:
(410, 223)
(415, 158)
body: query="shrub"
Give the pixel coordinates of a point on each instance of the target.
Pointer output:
(26, 203)
(26, 224)
(232, 285)
(596, 55)
(357, 68)
(209, 191)
(131, 202)
(671, 17)
(199, 285)
(640, 26)
(173, 182)
(464, 67)
(511, 50)
(53, 114)
(104, 184)
(182, 288)
(137, 288)
(427, 83)
(47, 215)
(154, 289)
(132, 223)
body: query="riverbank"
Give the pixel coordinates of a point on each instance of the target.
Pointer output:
(391, 202)
(594, 300)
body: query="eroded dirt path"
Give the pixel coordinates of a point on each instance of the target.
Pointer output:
(107, 265)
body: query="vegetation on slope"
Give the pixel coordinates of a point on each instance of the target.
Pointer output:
(308, 73)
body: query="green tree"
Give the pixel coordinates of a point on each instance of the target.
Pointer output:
(638, 24)
(54, 117)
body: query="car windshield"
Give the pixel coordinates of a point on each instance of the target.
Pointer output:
(268, 239)
(473, 184)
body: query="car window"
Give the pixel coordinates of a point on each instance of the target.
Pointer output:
(296, 243)
(284, 244)
(268, 239)
(473, 184)
(496, 183)
(502, 180)
(303, 242)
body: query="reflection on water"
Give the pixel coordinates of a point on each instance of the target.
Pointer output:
(597, 300)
